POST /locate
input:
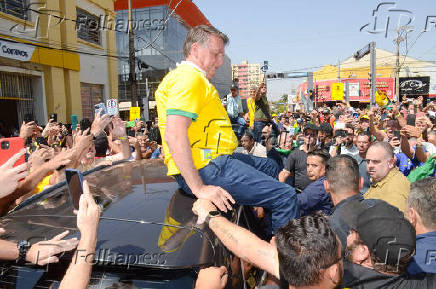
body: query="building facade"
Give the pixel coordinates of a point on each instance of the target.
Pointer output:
(249, 75)
(52, 61)
(159, 36)
(355, 76)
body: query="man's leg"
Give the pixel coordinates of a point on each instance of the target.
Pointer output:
(258, 126)
(265, 165)
(241, 123)
(251, 187)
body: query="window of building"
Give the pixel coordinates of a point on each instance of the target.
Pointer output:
(91, 94)
(88, 27)
(17, 8)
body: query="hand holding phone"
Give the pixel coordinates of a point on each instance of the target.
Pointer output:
(10, 175)
(75, 185)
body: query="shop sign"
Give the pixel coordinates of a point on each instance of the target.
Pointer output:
(414, 85)
(17, 51)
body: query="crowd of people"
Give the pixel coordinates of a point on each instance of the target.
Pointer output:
(346, 196)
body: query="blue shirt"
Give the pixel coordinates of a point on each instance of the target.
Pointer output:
(314, 198)
(404, 164)
(424, 260)
(234, 106)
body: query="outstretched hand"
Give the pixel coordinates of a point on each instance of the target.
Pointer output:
(45, 252)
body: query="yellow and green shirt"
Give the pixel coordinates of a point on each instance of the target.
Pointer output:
(187, 92)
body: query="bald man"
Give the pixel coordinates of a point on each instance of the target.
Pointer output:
(387, 182)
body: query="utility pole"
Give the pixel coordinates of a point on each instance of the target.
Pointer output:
(132, 60)
(397, 67)
(373, 72)
(339, 70)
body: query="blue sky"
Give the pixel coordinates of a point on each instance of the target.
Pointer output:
(293, 35)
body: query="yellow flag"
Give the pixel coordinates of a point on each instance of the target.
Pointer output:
(381, 98)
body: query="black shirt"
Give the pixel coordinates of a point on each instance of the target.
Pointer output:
(359, 277)
(297, 163)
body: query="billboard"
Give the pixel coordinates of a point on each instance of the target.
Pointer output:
(414, 85)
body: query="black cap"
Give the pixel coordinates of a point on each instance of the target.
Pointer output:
(234, 86)
(383, 229)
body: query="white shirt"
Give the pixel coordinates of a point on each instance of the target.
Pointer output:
(258, 150)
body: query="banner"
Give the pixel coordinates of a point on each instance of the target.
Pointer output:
(135, 113)
(337, 91)
(414, 85)
(17, 51)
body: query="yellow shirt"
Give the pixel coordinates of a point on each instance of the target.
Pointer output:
(252, 110)
(187, 92)
(393, 189)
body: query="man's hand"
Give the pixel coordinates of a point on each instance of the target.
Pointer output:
(82, 143)
(26, 129)
(99, 123)
(212, 278)
(395, 142)
(40, 156)
(202, 208)
(10, 175)
(88, 215)
(284, 175)
(44, 252)
(119, 129)
(63, 158)
(217, 195)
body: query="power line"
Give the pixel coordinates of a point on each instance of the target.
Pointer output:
(160, 32)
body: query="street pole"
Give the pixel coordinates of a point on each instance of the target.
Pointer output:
(397, 66)
(132, 60)
(373, 72)
(339, 70)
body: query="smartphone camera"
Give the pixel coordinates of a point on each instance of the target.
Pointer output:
(5, 145)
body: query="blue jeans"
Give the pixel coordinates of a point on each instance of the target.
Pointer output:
(251, 187)
(241, 125)
(257, 131)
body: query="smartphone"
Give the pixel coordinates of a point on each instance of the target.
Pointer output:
(54, 117)
(75, 185)
(397, 134)
(28, 117)
(74, 121)
(101, 106)
(10, 147)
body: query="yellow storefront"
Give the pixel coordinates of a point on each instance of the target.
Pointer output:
(49, 80)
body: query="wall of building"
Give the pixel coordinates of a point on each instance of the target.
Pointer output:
(249, 75)
(55, 58)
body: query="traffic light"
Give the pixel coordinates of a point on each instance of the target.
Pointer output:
(311, 94)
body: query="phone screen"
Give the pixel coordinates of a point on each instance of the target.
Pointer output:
(74, 183)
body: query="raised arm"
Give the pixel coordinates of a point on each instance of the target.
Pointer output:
(240, 241)
(79, 271)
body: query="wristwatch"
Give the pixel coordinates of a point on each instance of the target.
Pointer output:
(23, 247)
(212, 214)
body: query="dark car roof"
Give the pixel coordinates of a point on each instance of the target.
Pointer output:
(146, 220)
